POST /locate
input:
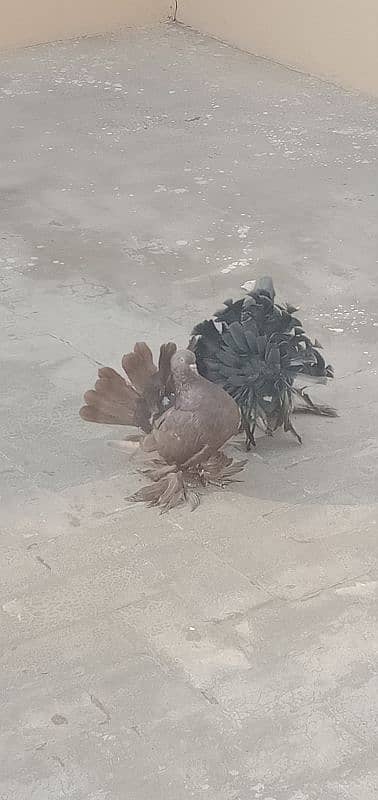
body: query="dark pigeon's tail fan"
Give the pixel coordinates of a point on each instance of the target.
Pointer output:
(276, 351)
(257, 369)
(207, 342)
(259, 305)
(209, 329)
(232, 311)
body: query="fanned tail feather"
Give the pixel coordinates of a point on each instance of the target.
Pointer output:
(264, 285)
(258, 371)
(269, 317)
(166, 352)
(112, 402)
(256, 349)
(139, 366)
(137, 400)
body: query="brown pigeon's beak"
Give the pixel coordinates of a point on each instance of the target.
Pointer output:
(193, 368)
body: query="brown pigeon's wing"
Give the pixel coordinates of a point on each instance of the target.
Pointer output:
(178, 436)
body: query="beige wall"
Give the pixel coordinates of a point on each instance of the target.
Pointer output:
(34, 21)
(337, 39)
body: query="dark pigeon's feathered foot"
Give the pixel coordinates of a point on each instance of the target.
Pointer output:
(173, 487)
(310, 407)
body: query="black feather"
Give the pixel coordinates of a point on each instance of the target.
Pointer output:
(264, 284)
(260, 351)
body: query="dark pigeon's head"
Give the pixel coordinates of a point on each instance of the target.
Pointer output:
(183, 364)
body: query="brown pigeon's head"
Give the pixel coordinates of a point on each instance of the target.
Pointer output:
(183, 364)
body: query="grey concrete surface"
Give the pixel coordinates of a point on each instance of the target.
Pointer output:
(229, 654)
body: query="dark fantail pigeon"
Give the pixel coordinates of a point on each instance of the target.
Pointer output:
(255, 349)
(186, 419)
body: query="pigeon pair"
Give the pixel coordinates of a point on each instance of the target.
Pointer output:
(238, 372)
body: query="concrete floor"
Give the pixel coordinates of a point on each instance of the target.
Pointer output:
(229, 654)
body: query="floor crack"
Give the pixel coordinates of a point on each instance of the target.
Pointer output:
(101, 707)
(73, 347)
(44, 563)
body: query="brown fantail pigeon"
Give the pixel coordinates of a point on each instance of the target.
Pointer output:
(186, 419)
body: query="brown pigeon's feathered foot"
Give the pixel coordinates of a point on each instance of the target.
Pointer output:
(218, 470)
(172, 486)
(167, 492)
